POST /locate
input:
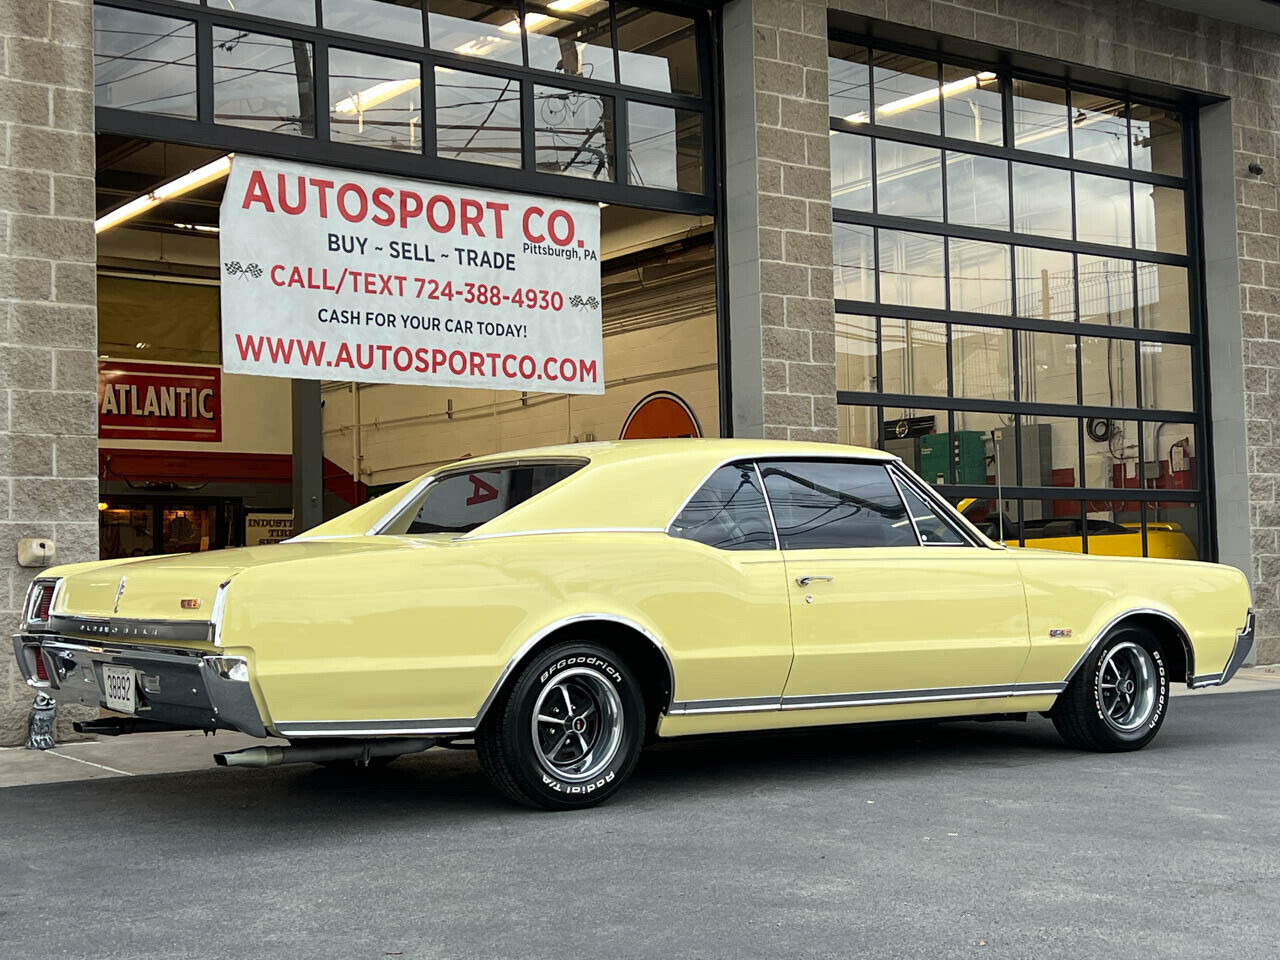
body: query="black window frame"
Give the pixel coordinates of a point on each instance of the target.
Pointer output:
(203, 131)
(1196, 338)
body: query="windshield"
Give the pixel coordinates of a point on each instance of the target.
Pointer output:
(461, 501)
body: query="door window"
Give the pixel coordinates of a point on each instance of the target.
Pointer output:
(932, 526)
(728, 512)
(832, 504)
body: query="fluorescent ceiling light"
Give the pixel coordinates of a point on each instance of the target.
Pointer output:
(198, 227)
(533, 21)
(378, 93)
(197, 178)
(925, 96)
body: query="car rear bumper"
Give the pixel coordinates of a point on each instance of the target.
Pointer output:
(1243, 644)
(175, 686)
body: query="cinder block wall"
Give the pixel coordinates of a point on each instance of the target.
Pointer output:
(48, 316)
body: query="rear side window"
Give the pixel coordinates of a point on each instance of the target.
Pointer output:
(823, 505)
(461, 502)
(728, 512)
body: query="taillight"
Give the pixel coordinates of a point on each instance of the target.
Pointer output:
(42, 673)
(44, 601)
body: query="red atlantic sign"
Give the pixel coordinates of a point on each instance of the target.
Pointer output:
(159, 401)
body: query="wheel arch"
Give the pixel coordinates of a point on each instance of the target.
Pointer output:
(1173, 637)
(632, 641)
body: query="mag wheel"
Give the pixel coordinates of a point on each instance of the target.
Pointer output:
(1118, 699)
(568, 731)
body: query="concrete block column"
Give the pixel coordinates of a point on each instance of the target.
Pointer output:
(48, 313)
(778, 185)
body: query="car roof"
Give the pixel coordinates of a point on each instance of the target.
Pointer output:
(698, 448)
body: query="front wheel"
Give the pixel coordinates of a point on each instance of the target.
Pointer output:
(567, 732)
(1118, 698)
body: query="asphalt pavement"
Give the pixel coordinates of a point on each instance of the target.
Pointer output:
(957, 840)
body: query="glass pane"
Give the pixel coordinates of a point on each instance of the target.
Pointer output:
(1110, 452)
(1157, 139)
(1108, 373)
(144, 63)
(1159, 218)
(263, 82)
(728, 512)
(914, 356)
(1102, 210)
(574, 133)
(908, 180)
(477, 117)
(489, 30)
(1050, 451)
(997, 520)
(375, 101)
(1099, 131)
(1166, 376)
(919, 438)
(1051, 525)
(1173, 530)
(1106, 290)
(911, 269)
(848, 82)
(450, 505)
(657, 51)
(850, 172)
(857, 425)
(836, 505)
(977, 191)
(396, 20)
(983, 449)
(981, 362)
(125, 531)
(186, 529)
(664, 147)
(155, 320)
(972, 107)
(1040, 118)
(929, 523)
(1169, 451)
(574, 37)
(290, 11)
(906, 92)
(1040, 202)
(1047, 367)
(1046, 284)
(1163, 298)
(855, 261)
(981, 276)
(855, 352)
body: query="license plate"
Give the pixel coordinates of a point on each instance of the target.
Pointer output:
(120, 686)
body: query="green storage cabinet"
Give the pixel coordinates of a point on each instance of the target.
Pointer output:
(965, 449)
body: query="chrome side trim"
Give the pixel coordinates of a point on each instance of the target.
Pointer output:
(385, 520)
(529, 644)
(866, 699)
(768, 505)
(113, 629)
(468, 537)
(300, 729)
(1137, 611)
(1205, 680)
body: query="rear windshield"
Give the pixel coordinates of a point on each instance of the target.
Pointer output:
(460, 502)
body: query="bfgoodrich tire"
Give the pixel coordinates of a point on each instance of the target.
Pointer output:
(568, 731)
(1118, 698)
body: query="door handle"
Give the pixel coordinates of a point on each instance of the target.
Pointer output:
(805, 581)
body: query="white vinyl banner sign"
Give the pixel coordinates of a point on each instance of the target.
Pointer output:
(331, 275)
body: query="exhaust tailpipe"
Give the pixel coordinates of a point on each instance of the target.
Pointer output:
(363, 750)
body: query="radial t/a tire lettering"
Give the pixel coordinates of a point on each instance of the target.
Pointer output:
(567, 732)
(1118, 698)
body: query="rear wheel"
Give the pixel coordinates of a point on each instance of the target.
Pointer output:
(567, 732)
(1118, 698)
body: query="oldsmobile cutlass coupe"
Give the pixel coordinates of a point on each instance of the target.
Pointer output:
(560, 606)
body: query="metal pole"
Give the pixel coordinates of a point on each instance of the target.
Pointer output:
(308, 456)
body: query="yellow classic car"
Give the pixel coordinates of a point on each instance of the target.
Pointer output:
(558, 607)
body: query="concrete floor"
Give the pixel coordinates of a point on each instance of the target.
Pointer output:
(958, 840)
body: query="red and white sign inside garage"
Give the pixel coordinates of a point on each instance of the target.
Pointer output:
(159, 401)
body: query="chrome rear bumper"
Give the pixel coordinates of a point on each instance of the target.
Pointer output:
(1244, 643)
(175, 686)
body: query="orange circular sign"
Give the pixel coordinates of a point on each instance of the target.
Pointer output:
(660, 414)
